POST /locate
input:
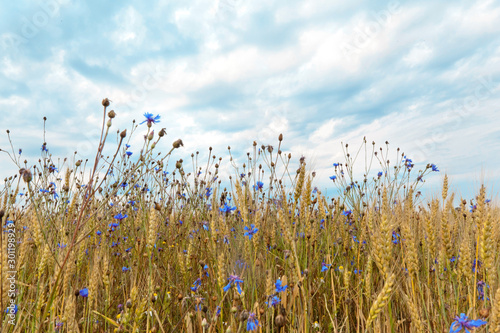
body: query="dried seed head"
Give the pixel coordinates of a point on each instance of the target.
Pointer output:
(280, 320)
(105, 102)
(177, 143)
(280, 138)
(112, 114)
(123, 134)
(243, 315)
(484, 313)
(27, 176)
(162, 132)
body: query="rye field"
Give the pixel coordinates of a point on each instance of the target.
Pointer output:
(138, 241)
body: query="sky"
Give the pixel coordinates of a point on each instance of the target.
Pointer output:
(424, 76)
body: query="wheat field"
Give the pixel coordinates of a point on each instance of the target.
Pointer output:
(138, 242)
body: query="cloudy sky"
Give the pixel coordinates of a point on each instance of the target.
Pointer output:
(422, 75)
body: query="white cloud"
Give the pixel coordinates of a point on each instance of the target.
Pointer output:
(231, 71)
(130, 28)
(419, 54)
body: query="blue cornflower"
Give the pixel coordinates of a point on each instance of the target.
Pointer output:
(279, 287)
(252, 322)
(227, 208)
(44, 148)
(53, 168)
(333, 177)
(474, 265)
(129, 153)
(259, 185)
(274, 300)
(462, 322)
(123, 184)
(125, 269)
(346, 212)
(84, 292)
(209, 192)
(380, 174)
(127, 146)
(120, 216)
(196, 285)
(233, 279)
(250, 231)
(150, 119)
(324, 267)
(205, 225)
(12, 309)
(480, 289)
(408, 163)
(395, 237)
(434, 167)
(20, 151)
(98, 232)
(335, 164)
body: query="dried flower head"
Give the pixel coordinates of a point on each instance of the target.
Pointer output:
(177, 143)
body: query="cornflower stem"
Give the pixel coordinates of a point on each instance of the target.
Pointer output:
(476, 268)
(78, 223)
